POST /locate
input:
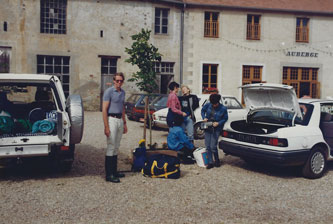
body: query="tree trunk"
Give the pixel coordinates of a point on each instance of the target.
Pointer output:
(145, 119)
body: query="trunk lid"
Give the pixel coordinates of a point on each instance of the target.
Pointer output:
(271, 103)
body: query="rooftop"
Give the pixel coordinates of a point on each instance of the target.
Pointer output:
(305, 6)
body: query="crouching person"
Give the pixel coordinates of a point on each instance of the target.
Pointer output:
(218, 115)
(114, 126)
(179, 141)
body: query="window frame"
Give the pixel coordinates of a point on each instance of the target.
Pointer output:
(209, 86)
(211, 26)
(302, 32)
(165, 73)
(252, 76)
(253, 29)
(294, 76)
(52, 62)
(53, 14)
(158, 22)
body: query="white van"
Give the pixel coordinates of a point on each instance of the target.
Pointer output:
(37, 120)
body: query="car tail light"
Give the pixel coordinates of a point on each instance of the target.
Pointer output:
(255, 139)
(64, 148)
(278, 142)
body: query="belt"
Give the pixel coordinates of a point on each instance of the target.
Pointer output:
(115, 115)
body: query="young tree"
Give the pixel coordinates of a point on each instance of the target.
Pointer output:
(144, 55)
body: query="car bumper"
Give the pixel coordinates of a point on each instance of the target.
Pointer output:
(283, 158)
(160, 124)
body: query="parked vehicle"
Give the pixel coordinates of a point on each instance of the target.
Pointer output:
(280, 129)
(158, 103)
(235, 111)
(37, 120)
(135, 103)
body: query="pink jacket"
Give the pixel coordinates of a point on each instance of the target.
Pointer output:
(174, 104)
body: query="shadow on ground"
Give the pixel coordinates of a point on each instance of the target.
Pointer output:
(269, 169)
(89, 161)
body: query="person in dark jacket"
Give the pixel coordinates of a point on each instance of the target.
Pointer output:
(218, 115)
(189, 103)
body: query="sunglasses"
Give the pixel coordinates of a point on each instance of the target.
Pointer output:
(118, 81)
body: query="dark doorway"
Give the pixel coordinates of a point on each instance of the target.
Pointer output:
(304, 89)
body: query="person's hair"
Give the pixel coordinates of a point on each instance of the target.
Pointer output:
(214, 98)
(185, 86)
(173, 85)
(119, 74)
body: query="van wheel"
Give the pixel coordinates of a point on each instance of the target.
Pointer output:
(315, 166)
(198, 133)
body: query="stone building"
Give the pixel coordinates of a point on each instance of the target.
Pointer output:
(230, 43)
(83, 42)
(208, 45)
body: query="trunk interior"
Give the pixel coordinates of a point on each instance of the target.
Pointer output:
(254, 128)
(27, 110)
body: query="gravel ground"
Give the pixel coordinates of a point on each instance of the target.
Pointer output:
(234, 193)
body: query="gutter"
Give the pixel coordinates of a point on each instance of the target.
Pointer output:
(181, 47)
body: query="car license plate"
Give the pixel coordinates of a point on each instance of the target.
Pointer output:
(163, 118)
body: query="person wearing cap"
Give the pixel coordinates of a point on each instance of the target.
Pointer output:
(215, 112)
(113, 111)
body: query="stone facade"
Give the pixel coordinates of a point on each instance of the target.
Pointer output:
(104, 28)
(276, 48)
(86, 20)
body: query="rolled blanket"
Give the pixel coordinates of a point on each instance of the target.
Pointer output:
(44, 126)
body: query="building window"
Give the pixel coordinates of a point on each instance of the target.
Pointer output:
(165, 74)
(211, 24)
(209, 78)
(108, 69)
(302, 30)
(53, 16)
(55, 65)
(253, 27)
(251, 74)
(161, 21)
(5, 26)
(4, 59)
(304, 80)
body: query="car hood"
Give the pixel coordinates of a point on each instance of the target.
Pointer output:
(265, 96)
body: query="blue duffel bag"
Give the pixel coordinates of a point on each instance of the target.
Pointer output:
(162, 166)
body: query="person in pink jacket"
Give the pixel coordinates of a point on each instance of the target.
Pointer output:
(173, 104)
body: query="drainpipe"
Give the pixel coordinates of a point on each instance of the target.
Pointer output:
(181, 53)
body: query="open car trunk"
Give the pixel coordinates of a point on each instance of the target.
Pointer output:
(29, 109)
(254, 128)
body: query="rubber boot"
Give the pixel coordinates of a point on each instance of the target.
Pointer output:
(110, 163)
(108, 169)
(118, 174)
(217, 162)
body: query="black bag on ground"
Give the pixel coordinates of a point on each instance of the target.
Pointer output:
(162, 166)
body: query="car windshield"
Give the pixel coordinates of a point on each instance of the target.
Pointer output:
(231, 103)
(228, 102)
(282, 117)
(160, 101)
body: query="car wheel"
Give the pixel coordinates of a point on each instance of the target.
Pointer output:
(315, 165)
(198, 132)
